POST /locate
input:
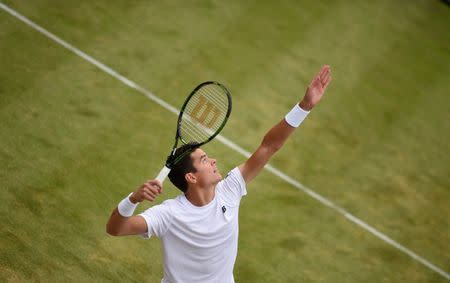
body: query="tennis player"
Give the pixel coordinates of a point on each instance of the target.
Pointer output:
(199, 228)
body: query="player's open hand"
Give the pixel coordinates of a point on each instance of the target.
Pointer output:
(316, 88)
(149, 191)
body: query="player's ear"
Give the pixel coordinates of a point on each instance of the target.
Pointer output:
(190, 178)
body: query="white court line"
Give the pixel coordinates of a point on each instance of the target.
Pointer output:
(230, 144)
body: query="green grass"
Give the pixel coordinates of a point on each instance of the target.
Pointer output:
(74, 141)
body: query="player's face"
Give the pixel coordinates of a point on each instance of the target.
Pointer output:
(207, 171)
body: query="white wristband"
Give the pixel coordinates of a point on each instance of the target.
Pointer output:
(126, 207)
(296, 116)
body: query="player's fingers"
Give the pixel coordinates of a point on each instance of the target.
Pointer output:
(328, 79)
(148, 196)
(316, 77)
(324, 72)
(155, 190)
(153, 185)
(324, 79)
(156, 183)
(327, 82)
(145, 188)
(149, 191)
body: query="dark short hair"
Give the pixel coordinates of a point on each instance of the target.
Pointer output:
(181, 168)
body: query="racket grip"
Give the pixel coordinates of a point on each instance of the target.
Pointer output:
(163, 174)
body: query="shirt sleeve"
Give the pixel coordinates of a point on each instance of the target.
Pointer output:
(233, 187)
(158, 219)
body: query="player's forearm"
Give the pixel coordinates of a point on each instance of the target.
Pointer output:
(277, 136)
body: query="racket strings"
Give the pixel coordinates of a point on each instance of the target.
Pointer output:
(206, 109)
(204, 113)
(194, 130)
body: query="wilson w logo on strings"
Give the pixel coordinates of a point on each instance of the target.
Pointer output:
(205, 112)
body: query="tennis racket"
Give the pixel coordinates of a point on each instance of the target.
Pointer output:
(202, 116)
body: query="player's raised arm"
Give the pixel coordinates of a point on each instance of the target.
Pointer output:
(122, 222)
(277, 135)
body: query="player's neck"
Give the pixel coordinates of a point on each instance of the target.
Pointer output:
(200, 196)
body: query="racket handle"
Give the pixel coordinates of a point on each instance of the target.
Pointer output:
(163, 174)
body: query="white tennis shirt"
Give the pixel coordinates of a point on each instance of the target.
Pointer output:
(199, 243)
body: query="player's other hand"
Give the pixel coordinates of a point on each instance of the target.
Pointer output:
(149, 191)
(316, 88)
